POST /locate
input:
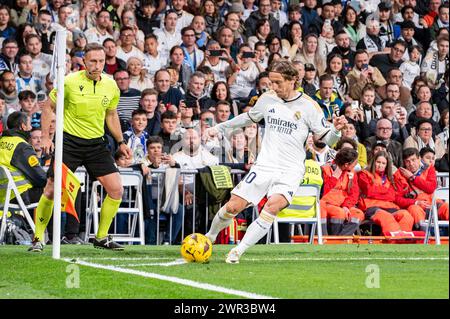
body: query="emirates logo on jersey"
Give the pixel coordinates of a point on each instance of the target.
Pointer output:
(281, 126)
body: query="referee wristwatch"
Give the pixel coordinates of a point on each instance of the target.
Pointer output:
(120, 142)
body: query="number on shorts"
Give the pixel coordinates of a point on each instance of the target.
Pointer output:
(250, 177)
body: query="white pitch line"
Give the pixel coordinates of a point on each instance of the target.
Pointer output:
(175, 280)
(277, 259)
(346, 259)
(124, 258)
(172, 263)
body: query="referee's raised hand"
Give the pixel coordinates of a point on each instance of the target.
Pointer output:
(47, 145)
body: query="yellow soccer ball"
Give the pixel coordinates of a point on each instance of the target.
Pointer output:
(196, 248)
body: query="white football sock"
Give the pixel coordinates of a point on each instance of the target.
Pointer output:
(221, 221)
(257, 230)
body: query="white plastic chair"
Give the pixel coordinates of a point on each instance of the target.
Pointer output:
(315, 222)
(443, 179)
(9, 187)
(132, 181)
(433, 220)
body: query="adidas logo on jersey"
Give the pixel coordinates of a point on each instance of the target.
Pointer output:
(272, 111)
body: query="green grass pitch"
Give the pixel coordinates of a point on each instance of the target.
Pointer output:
(283, 271)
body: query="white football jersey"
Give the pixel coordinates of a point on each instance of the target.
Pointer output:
(287, 124)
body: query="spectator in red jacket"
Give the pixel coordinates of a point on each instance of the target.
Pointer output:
(378, 197)
(416, 184)
(341, 193)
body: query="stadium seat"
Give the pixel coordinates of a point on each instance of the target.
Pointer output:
(315, 222)
(132, 183)
(8, 185)
(433, 220)
(443, 179)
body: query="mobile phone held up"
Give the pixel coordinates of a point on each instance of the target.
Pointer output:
(215, 52)
(247, 54)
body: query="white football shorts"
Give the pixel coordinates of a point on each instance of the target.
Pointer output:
(260, 182)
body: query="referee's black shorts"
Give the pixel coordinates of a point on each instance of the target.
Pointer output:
(93, 154)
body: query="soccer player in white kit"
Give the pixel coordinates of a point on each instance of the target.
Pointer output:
(279, 168)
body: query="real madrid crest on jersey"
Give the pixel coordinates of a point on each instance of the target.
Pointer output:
(298, 115)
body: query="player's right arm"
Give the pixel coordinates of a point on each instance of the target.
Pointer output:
(255, 115)
(48, 110)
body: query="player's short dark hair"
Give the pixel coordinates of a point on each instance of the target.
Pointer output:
(93, 47)
(25, 94)
(346, 155)
(285, 68)
(168, 115)
(16, 119)
(154, 140)
(410, 151)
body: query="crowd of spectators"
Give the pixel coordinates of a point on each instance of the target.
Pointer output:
(185, 65)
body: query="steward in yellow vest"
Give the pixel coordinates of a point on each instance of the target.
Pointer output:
(19, 156)
(303, 206)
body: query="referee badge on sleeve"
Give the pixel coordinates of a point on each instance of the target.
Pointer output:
(105, 102)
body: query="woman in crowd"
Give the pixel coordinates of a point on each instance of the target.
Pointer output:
(293, 43)
(262, 32)
(139, 79)
(423, 137)
(378, 195)
(349, 132)
(310, 53)
(273, 42)
(335, 67)
(354, 28)
(212, 17)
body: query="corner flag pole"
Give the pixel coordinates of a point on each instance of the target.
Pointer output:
(59, 61)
